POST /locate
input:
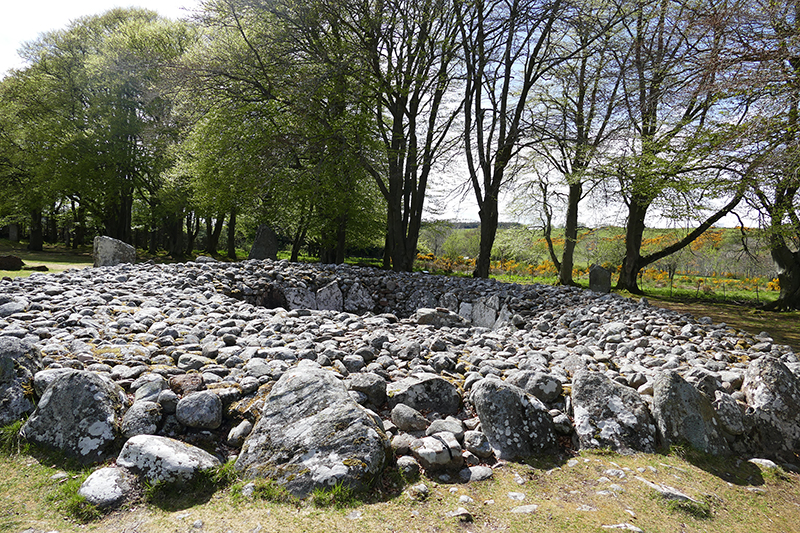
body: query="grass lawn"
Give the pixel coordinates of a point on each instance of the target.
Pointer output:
(583, 494)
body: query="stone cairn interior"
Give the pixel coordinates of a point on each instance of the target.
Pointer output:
(313, 375)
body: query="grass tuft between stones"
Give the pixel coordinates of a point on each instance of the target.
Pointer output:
(339, 496)
(11, 442)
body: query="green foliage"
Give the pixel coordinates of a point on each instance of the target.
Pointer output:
(10, 440)
(339, 496)
(66, 499)
(270, 491)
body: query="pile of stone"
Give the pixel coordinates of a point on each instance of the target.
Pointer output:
(316, 374)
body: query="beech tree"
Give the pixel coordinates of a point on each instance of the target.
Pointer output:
(509, 48)
(764, 60)
(682, 154)
(578, 121)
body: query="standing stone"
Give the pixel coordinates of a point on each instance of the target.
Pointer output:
(684, 415)
(609, 414)
(599, 279)
(79, 414)
(330, 297)
(265, 245)
(358, 299)
(516, 424)
(110, 252)
(312, 434)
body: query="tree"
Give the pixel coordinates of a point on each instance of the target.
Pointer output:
(278, 86)
(508, 48)
(765, 62)
(682, 151)
(579, 121)
(97, 129)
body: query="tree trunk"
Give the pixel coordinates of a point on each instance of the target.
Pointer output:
(192, 230)
(232, 235)
(341, 239)
(788, 263)
(213, 232)
(570, 235)
(634, 231)
(489, 216)
(36, 242)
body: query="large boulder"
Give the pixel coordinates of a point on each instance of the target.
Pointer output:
(79, 414)
(312, 434)
(161, 459)
(772, 393)
(686, 416)
(110, 252)
(516, 424)
(425, 392)
(265, 245)
(609, 414)
(19, 360)
(11, 262)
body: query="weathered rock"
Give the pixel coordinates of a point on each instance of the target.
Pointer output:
(438, 452)
(425, 392)
(11, 262)
(43, 378)
(161, 459)
(544, 386)
(109, 252)
(408, 419)
(107, 487)
(265, 244)
(238, 434)
(516, 424)
(201, 409)
(609, 414)
(312, 434)
(772, 393)
(330, 297)
(685, 416)
(372, 385)
(599, 279)
(476, 442)
(142, 418)
(78, 414)
(18, 362)
(440, 317)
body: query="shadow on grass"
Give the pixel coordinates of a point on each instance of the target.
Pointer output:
(731, 469)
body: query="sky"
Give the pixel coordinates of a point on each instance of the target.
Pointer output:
(24, 20)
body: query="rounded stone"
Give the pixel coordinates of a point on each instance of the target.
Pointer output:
(200, 410)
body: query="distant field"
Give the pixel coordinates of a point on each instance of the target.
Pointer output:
(55, 258)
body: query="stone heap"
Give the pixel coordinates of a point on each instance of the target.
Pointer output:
(318, 374)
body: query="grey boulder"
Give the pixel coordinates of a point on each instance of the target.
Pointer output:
(312, 434)
(686, 416)
(107, 487)
(19, 360)
(201, 410)
(109, 252)
(161, 459)
(425, 392)
(78, 414)
(609, 414)
(772, 393)
(516, 424)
